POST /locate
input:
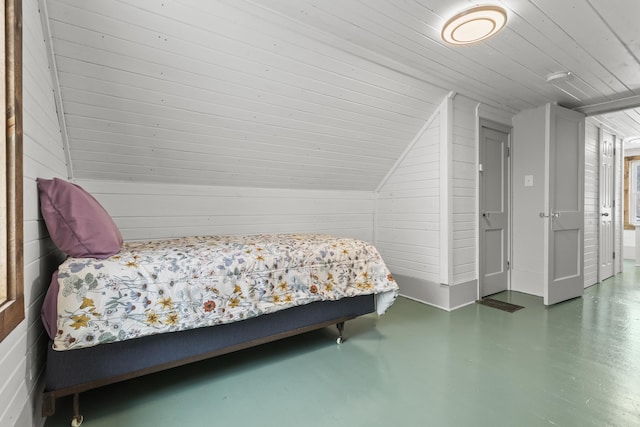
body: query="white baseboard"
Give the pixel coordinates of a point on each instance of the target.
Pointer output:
(436, 294)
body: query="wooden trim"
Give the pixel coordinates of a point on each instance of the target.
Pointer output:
(57, 91)
(446, 199)
(12, 306)
(625, 196)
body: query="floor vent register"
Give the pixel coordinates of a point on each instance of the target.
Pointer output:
(500, 305)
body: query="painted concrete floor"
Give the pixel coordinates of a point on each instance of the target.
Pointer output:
(573, 364)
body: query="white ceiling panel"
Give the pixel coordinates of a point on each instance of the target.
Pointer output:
(305, 93)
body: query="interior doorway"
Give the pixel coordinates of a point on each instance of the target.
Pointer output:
(494, 204)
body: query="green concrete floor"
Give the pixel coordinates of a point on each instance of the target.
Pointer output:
(573, 364)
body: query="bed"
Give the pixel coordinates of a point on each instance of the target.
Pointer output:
(117, 310)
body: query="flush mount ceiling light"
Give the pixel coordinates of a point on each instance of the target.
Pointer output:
(559, 77)
(474, 24)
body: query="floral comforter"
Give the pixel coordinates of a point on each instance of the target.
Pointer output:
(171, 285)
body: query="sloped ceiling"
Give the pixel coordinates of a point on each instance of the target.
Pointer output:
(304, 93)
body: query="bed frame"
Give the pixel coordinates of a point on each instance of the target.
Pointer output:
(74, 371)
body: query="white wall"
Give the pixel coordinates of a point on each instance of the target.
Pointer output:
(408, 216)
(154, 211)
(528, 159)
(629, 244)
(22, 352)
(408, 206)
(591, 202)
(250, 97)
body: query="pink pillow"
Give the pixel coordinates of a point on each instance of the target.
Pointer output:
(77, 223)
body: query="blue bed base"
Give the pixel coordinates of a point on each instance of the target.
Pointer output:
(74, 371)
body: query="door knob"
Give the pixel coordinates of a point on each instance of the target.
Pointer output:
(553, 215)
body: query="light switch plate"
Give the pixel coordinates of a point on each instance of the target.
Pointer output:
(528, 180)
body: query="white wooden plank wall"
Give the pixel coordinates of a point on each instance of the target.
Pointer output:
(22, 352)
(408, 210)
(591, 202)
(464, 182)
(226, 94)
(155, 211)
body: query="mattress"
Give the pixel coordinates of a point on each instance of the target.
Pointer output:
(179, 284)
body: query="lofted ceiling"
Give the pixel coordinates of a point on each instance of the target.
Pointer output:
(305, 93)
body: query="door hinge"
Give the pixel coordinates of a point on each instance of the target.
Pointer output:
(508, 151)
(614, 255)
(508, 265)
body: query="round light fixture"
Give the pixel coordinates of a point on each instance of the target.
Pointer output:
(474, 24)
(559, 77)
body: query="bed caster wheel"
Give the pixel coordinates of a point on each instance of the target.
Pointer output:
(340, 326)
(77, 420)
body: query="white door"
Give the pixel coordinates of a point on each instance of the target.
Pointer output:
(606, 233)
(494, 208)
(564, 245)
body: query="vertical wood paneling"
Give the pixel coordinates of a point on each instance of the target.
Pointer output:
(146, 211)
(591, 202)
(22, 353)
(408, 209)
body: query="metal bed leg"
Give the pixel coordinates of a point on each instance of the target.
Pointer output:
(77, 418)
(340, 327)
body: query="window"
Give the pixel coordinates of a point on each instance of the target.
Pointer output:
(11, 224)
(631, 192)
(634, 192)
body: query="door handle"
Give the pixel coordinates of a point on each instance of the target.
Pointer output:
(605, 214)
(553, 215)
(486, 214)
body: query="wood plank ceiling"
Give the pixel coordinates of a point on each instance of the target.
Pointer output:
(304, 93)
